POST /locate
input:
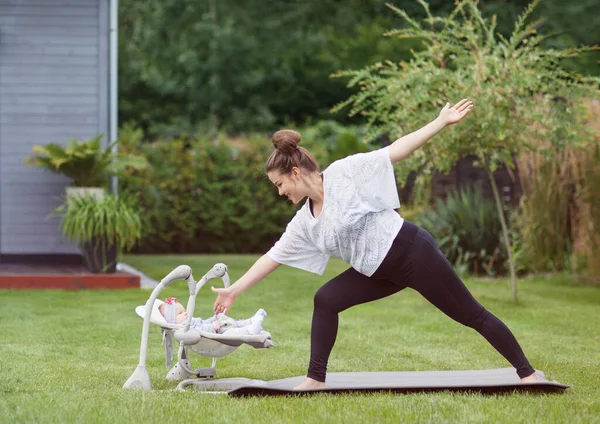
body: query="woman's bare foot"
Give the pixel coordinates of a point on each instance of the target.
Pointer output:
(533, 378)
(310, 384)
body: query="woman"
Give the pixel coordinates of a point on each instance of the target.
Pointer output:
(350, 213)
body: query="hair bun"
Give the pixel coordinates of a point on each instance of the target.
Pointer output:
(286, 141)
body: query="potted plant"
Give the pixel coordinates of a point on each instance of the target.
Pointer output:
(103, 227)
(86, 163)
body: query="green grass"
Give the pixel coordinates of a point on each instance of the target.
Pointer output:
(65, 355)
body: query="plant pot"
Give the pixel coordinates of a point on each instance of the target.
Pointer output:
(97, 192)
(102, 228)
(98, 257)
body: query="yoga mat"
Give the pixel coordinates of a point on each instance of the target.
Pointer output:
(484, 381)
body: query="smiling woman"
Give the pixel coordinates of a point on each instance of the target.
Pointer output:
(293, 169)
(351, 213)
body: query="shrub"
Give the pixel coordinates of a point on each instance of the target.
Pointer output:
(559, 218)
(468, 231)
(543, 216)
(103, 227)
(338, 140)
(206, 196)
(86, 162)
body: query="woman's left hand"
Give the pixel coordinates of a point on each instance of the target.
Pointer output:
(451, 115)
(225, 299)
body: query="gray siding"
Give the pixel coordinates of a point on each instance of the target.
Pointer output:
(53, 83)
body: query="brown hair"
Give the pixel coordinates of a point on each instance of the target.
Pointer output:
(288, 154)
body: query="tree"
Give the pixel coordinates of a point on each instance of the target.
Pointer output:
(243, 65)
(524, 100)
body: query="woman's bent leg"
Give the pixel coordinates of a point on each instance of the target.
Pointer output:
(340, 293)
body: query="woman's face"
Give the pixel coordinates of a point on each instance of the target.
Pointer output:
(288, 185)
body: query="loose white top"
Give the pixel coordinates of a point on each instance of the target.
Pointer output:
(357, 223)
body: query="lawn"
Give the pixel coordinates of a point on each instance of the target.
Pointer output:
(66, 354)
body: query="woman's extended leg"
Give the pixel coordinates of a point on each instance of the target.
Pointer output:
(434, 278)
(340, 293)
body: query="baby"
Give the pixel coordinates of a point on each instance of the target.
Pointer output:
(173, 311)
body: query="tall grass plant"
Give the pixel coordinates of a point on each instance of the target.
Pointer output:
(559, 216)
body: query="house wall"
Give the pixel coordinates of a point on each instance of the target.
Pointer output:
(53, 87)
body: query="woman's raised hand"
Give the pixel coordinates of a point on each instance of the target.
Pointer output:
(225, 299)
(451, 115)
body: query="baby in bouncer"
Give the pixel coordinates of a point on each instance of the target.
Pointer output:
(173, 311)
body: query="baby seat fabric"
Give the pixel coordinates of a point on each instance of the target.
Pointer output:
(211, 344)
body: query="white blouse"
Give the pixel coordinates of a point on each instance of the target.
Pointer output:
(357, 223)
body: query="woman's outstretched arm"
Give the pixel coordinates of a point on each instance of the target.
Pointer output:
(407, 144)
(261, 268)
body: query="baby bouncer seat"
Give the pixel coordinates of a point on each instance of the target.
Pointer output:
(189, 338)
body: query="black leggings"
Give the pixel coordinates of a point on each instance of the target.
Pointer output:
(414, 261)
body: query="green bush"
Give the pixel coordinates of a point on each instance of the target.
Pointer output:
(558, 221)
(210, 194)
(206, 196)
(338, 140)
(411, 212)
(102, 226)
(86, 162)
(468, 231)
(587, 239)
(543, 243)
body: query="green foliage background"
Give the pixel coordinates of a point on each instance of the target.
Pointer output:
(250, 65)
(211, 194)
(199, 77)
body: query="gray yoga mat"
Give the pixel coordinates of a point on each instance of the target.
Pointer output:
(484, 381)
